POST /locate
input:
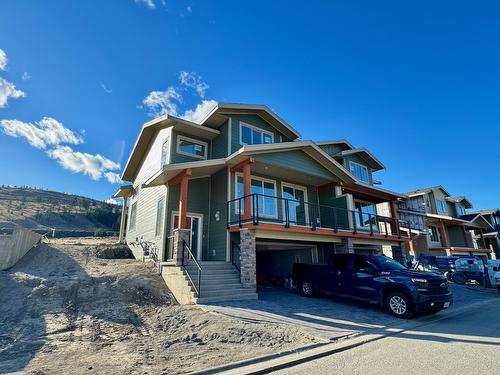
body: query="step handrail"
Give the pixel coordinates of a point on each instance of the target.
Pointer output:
(233, 260)
(197, 287)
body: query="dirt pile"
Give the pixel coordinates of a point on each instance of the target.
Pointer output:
(64, 309)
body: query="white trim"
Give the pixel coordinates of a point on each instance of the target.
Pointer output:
(192, 140)
(253, 127)
(200, 230)
(362, 166)
(306, 200)
(262, 179)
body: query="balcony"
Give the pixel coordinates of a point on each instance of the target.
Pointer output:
(299, 216)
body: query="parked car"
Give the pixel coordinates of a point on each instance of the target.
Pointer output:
(375, 279)
(493, 273)
(459, 269)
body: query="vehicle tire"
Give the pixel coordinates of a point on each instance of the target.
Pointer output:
(307, 289)
(399, 305)
(459, 278)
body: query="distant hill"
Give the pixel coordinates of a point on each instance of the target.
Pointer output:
(42, 209)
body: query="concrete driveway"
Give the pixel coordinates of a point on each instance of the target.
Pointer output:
(331, 319)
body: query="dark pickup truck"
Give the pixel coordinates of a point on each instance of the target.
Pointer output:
(375, 279)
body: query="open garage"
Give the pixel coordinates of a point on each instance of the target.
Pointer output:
(275, 260)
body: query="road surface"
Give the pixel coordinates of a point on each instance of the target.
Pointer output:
(465, 343)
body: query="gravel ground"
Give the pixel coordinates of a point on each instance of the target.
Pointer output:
(64, 310)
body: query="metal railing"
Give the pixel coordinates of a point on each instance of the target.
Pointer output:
(235, 255)
(291, 212)
(190, 256)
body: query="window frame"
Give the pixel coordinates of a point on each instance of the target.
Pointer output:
(431, 233)
(445, 207)
(351, 163)
(192, 140)
(261, 179)
(160, 215)
(255, 128)
(306, 200)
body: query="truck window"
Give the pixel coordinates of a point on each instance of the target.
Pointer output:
(340, 261)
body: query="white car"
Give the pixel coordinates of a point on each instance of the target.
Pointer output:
(497, 280)
(493, 267)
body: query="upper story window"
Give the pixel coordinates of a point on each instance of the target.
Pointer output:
(359, 171)
(250, 135)
(133, 214)
(191, 147)
(165, 152)
(460, 210)
(441, 206)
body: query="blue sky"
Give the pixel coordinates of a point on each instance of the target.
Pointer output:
(417, 83)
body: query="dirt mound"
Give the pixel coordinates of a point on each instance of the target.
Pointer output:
(113, 252)
(65, 310)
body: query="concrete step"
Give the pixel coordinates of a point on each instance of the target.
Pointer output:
(241, 297)
(205, 292)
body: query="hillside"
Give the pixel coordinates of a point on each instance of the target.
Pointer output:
(42, 209)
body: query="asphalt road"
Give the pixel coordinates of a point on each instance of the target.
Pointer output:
(464, 343)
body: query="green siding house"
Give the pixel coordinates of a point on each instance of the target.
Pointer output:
(242, 195)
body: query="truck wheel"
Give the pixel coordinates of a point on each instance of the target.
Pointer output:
(306, 289)
(459, 278)
(399, 305)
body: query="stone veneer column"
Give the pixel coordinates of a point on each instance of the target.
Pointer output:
(180, 236)
(347, 246)
(248, 260)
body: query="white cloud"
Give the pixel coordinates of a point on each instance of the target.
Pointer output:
(194, 81)
(108, 91)
(8, 90)
(25, 76)
(95, 166)
(46, 132)
(149, 3)
(163, 102)
(3, 59)
(200, 111)
(113, 177)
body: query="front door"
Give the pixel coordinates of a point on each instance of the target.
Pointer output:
(195, 225)
(295, 197)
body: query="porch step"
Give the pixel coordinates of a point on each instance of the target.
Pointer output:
(220, 282)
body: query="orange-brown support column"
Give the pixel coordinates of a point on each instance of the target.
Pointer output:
(444, 234)
(394, 215)
(183, 180)
(466, 238)
(247, 182)
(483, 241)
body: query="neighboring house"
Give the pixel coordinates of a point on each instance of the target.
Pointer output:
(439, 224)
(248, 198)
(490, 237)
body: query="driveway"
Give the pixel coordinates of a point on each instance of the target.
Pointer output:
(331, 319)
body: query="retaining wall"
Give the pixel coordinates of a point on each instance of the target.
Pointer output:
(14, 246)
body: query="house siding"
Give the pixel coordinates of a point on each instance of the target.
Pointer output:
(217, 229)
(254, 121)
(219, 144)
(147, 199)
(359, 160)
(328, 198)
(332, 150)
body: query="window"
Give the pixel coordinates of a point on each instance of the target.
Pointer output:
(359, 171)
(133, 213)
(250, 135)
(365, 213)
(266, 200)
(159, 217)
(165, 152)
(460, 210)
(191, 147)
(340, 261)
(441, 206)
(434, 234)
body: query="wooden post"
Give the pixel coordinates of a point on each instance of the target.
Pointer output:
(182, 179)
(394, 215)
(247, 190)
(482, 238)
(444, 234)
(466, 239)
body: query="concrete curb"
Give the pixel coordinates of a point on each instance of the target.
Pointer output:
(266, 364)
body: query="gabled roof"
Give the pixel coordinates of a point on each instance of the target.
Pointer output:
(460, 199)
(216, 117)
(148, 131)
(428, 190)
(343, 143)
(367, 156)
(477, 220)
(492, 211)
